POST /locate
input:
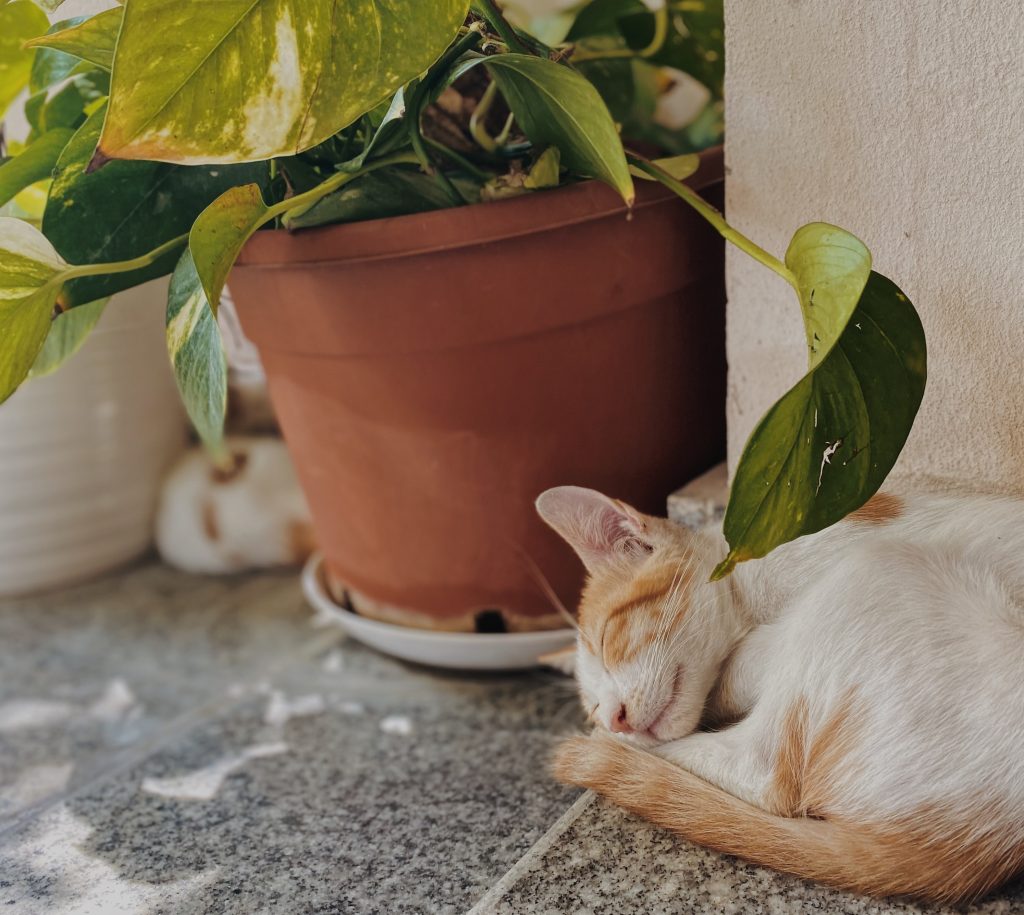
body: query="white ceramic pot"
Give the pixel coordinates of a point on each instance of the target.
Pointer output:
(83, 451)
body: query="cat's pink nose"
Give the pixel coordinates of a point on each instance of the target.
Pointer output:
(620, 722)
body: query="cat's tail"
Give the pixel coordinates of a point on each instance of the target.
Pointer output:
(827, 852)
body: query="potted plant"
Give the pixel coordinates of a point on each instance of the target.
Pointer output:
(435, 370)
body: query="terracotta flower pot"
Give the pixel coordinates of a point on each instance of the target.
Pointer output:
(434, 373)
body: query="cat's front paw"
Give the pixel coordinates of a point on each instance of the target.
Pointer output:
(588, 762)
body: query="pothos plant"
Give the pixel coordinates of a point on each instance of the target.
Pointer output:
(166, 134)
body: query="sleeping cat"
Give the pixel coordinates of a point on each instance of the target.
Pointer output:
(865, 685)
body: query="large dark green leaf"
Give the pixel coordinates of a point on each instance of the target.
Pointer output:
(197, 354)
(33, 164)
(126, 210)
(251, 79)
(825, 448)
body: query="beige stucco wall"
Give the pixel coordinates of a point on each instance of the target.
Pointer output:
(904, 123)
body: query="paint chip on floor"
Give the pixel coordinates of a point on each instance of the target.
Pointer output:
(281, 709)
(333, 663)
(204, 784)
(21, 714)
(396, 724)
(352, 708)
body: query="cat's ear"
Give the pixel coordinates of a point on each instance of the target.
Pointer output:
(599, 529)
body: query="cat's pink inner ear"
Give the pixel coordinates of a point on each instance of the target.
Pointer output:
(599, 529)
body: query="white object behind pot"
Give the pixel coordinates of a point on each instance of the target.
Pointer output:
(83, 451)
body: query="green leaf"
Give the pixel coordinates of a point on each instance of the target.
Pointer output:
(830, 267)
(127, 209)
(19, 22)
(603, 17)
(91, 39)
(827, 445)
(33, 164)
(29, 271)
(629, 87)
(546, 171)
(68, 332)
(556, 106)
(219, 234)
(389, 192)
(50, 66)
(197, 354)
(679, 167)
(252, 79)
(71, 103)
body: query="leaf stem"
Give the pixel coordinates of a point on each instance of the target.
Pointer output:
(136, 263)
(661, 22)
(479, 115)
(715, 218)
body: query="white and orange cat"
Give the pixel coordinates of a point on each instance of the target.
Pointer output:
(860, 690)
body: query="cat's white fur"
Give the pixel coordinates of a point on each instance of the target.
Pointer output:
(900, 639)
(250, 518)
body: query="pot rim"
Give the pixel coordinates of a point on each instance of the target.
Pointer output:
(462, 227)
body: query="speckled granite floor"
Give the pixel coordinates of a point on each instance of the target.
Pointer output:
(174, 744)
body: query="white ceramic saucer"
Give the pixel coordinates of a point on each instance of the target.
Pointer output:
(454, 650)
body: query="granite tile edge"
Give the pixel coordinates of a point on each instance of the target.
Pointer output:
(535, 853)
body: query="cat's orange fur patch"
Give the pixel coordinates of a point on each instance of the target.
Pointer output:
(301, 542)
(914, 857)
(805, 762)
(623, 633)
(880, 508)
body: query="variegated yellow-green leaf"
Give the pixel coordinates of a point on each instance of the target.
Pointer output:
(197, 355)
(29, 283)
(19, 21)
(33, 164)
(92, 40)
(828, 444)
(556, 106)
(219, 233)
(68, 332)
(213, 81)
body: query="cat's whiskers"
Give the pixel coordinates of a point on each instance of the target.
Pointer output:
(666, 635)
